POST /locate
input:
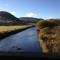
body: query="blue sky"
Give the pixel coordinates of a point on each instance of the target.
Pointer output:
(32, 8)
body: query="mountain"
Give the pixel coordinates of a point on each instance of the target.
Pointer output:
(30, 20)
(8, 19)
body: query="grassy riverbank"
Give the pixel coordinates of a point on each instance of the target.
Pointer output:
(9, 30)
(4, 29)
(49, 36)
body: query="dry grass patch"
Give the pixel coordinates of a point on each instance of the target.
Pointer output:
(49, 38)
(10, 28)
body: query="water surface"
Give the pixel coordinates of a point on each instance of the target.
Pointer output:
(26, 40)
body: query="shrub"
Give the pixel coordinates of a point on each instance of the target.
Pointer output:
(56, 21)
(49, 37)
(45, 23)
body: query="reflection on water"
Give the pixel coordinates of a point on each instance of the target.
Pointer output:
(24, 41)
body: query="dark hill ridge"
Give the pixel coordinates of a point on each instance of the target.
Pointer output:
(8, 19)
(30, 19)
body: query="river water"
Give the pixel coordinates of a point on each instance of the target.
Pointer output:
(25, 41)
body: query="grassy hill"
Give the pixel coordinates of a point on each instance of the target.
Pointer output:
(30, 20)
(8, 19)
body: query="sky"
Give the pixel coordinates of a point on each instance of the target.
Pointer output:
(32, 8)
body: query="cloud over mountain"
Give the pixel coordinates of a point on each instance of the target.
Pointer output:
(31, 14)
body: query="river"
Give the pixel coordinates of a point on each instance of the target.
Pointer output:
(25, 41)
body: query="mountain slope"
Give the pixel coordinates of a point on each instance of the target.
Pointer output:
(7, 18)
(30, 19)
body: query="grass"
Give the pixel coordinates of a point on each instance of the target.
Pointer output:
(9, 30)
(49, 39)
(4, 29)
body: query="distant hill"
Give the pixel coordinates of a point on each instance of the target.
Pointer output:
(8, 19)
(28, 20)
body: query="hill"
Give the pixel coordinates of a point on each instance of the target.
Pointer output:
(30, 20)
(8, 19)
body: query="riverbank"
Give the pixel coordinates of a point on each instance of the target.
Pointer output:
(6, 31)
(48, 32)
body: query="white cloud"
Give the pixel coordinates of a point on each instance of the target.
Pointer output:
(30, 14)
(13, 12)
(50, 17)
